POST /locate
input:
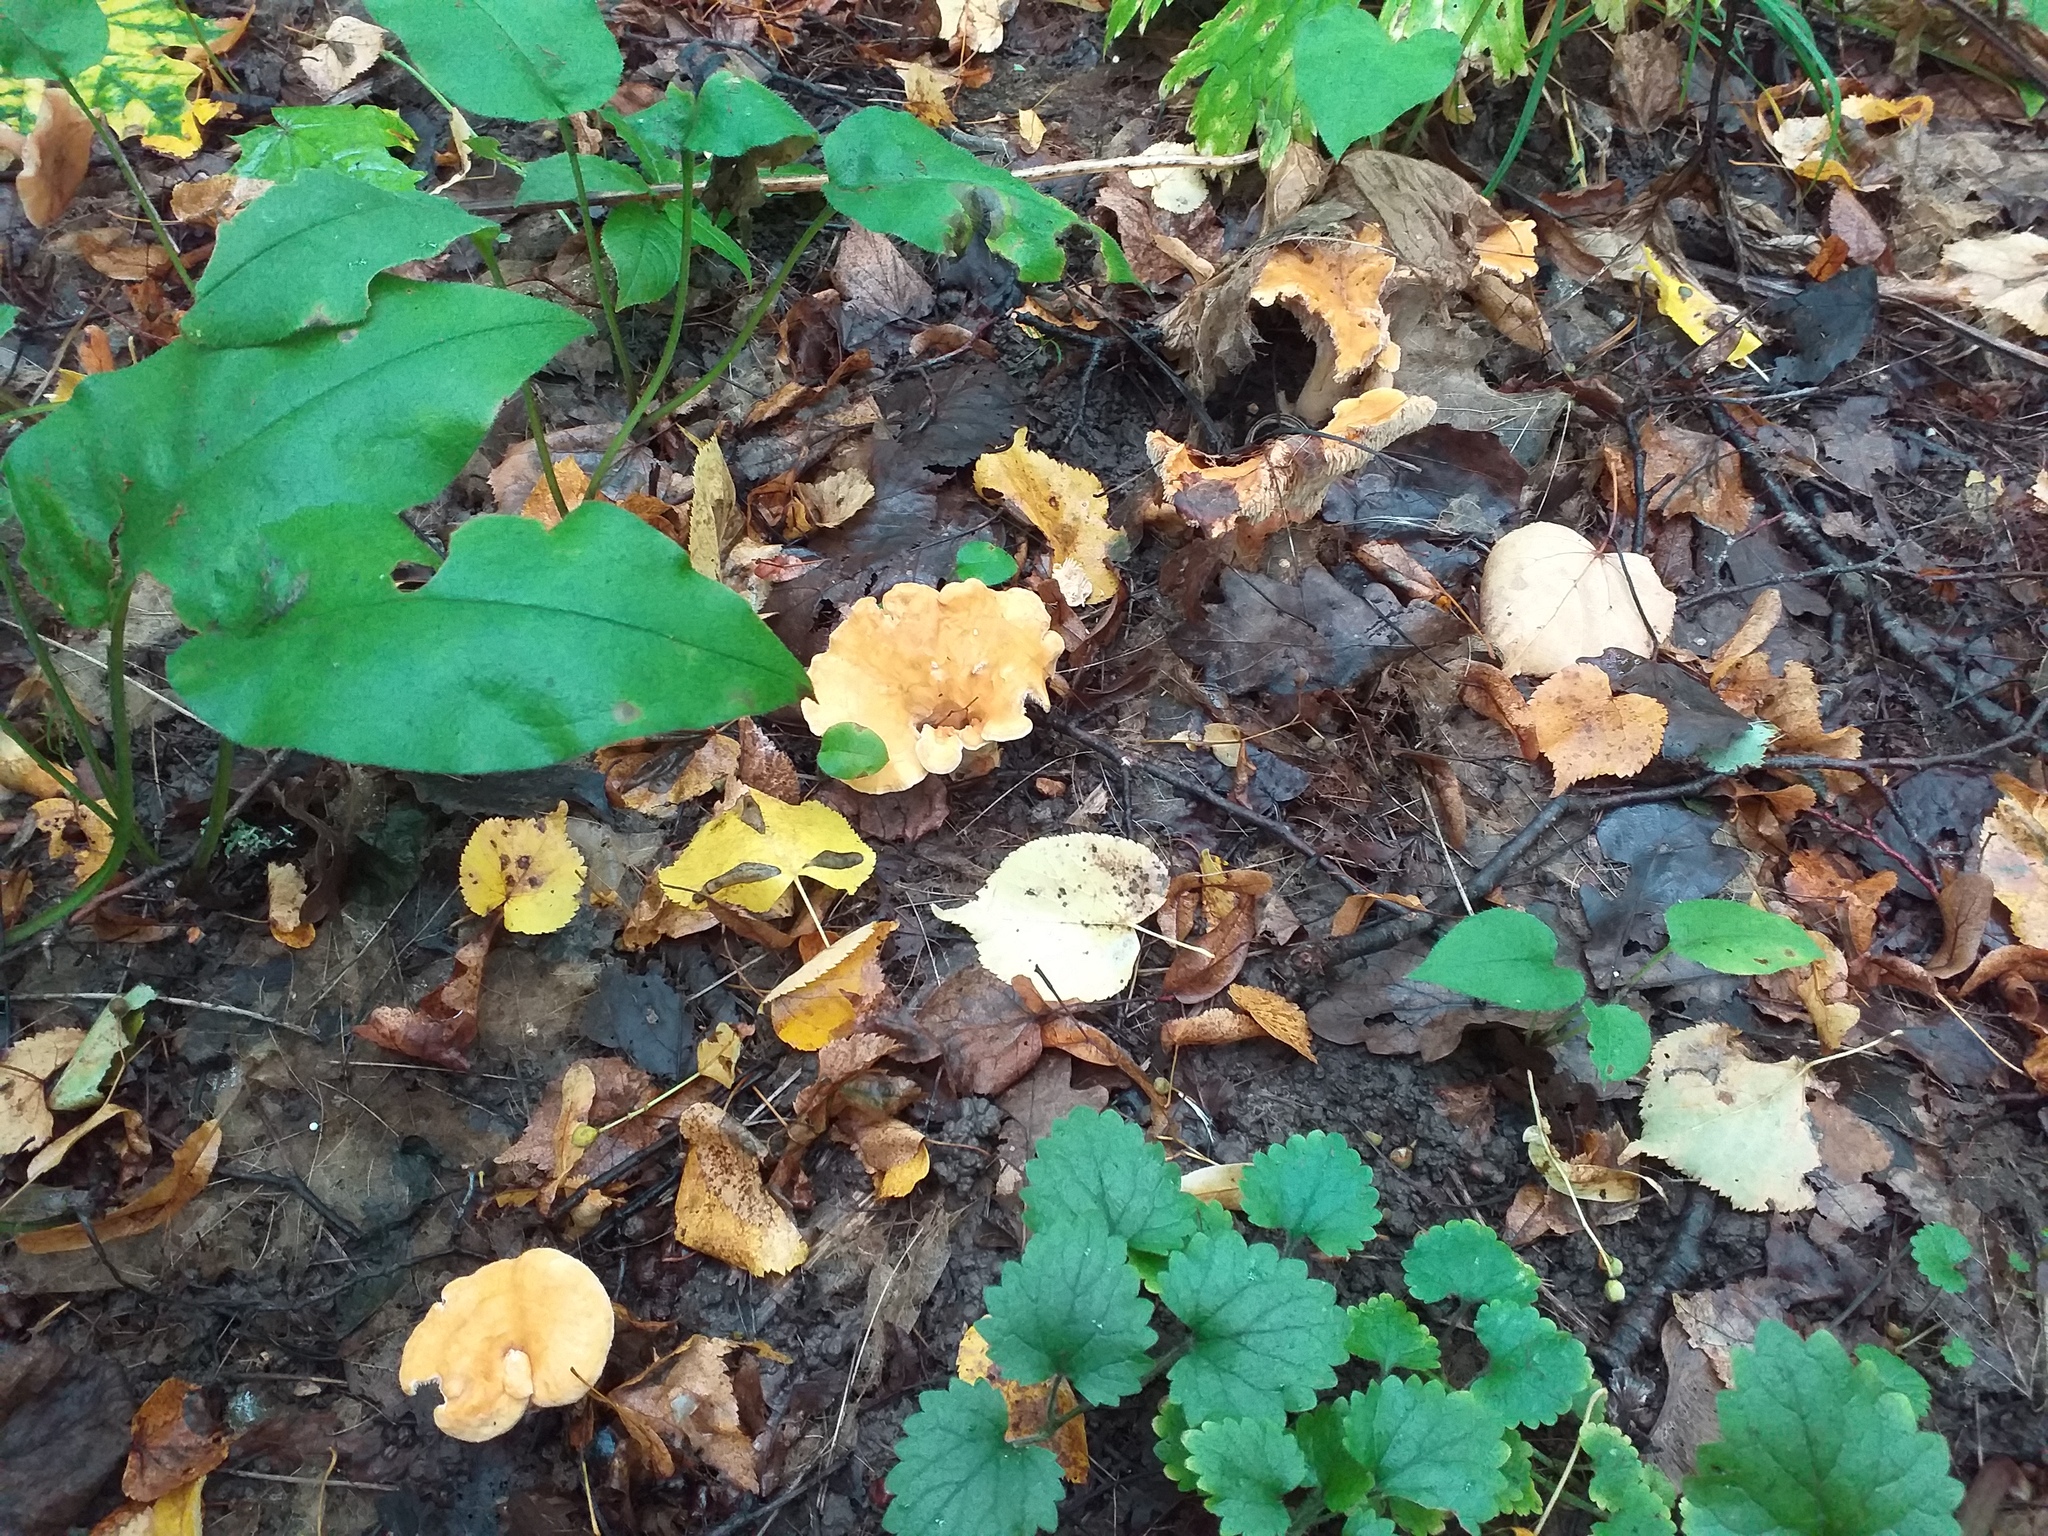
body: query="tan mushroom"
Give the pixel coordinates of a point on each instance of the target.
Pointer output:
(936, 673)
(534, 1331)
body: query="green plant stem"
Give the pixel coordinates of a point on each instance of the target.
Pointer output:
(217, 809)
(55, 770)
(34, 408)
(1541, 77)
(423, 82)
(668, 351)
(535, 427)
(112, 141)
(66, 706)
(598, 277)
(121, 793)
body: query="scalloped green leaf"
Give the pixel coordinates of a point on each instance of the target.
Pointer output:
(955, 1470)
(1384, 1331)
(1170, 1425)
(1265, 1338)
(1466, 1260)
(1070, 1307)
(1095, 1164)
(1313, 1187)
(1940, 1252)
(1635, 1496)
(1535, 1371)
(1245, 1469)
(1899, 1376)
(1429, 1446)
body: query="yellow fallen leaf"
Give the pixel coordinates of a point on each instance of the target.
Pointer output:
(1028, 1404)
(692, 1403)
(2014, 847)
(1693, 310)
(574, 485)
(528, 866)
(718, 1054)
(1587, 730)
(821, 1001)
(287, 902)
(1031, 129)
(721, 1206)
(1276, 1016)
(29, 1063)
(924, 94)
(1064, 503)
(715, 522)
(752, 855)
(895, 1156)
(75, 834)
(21, 773)
(141, 85)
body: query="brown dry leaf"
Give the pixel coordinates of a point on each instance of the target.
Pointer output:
(592, 1090)
(987, 1034)
(1792, 704)
(1488, 691)
(1028, 1405)
(53, 159)
(1685, 474)
(1818, 992)
(30, 1063)
(1587, 730)
(166, 1449)
(657, 784)
(191, 1166)
(1765, 610)
(829, 995)
(691, 1405)
(655, 917)
(1212, 1026)
(540, 504)
(1965, 901)
(1829, 883)
(721, 1206)
(1549, 599)
(1596, 1172)
(764, 765)
(1065, 504)
(1227, 902)
(443, 1027)
(895, 1156)
(75, 835)
(136, 1139)
(2017, 968)
(2014, 855)
(1277, 1017)
(1352, 910)
(936, 673)
(114, 253)
(1045, 1093)
(287, 903)
(1333, 288)
(924, 93)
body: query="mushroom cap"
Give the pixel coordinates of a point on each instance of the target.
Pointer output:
(534, 1331)
(936, 673)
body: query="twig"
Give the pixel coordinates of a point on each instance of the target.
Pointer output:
(1632, 1330)
(175, 1002)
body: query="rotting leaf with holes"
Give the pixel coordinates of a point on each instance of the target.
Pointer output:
(1065, 504)
(721, 1206)
(753, 855)
(1503, 956)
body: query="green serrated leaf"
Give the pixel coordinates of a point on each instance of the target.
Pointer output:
(304, 254)
(1385, 1332)
(1070, 1307)
(1464, 1259)
(1265, 1337)
(1245, 58)
(1169, 1424)
(979, 560)
(1245, 1469)
(1094, 1164)
(1737, 939)
(1519, 1471)
(553, 180)
(1430, 1447)
(1355, 80)
(529, 646)
(1898, 1377)
(892, 174)
(1940, 1252)
(42, 39)
(1342, 1483)
(1366, 1521)
(1635, 1496)
(850, 751)
(527, 60)
(356, 141)
(1313, 1187)
(1957, 1354)
(1502, 956)
(955, 1470)
(1619, 1040)
(1811, 1443)
(193, 453)
(1534, 1370)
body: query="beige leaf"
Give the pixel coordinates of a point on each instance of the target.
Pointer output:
(53, 159)
(1737, 1125)
(1062, 502)
(1548, 598)
(924, 93)
(25, 1120)
(715, 521)
(974, 26)
(721, 1206)
(2015, 856)
(345, 51)
(1031, 129)
(692, 1403)
(1587, 730)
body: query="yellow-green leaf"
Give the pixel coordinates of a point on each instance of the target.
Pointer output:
(143, 85)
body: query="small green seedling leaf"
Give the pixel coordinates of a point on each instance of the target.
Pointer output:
(356, 141)
(1464, 1259)
(1070, 1307)
(1170, 1425)
(955, 1470)
(84, 1080)
(42, 39)
(1503, 956)
(1385, 1332)
(1745, 751)
(2015, 1261)
(1810, 1442)
(1898, 1376)
(1534, 1370)
(1245, 1469)
(1096, 1164)
(1429, 1446)
(1737, 939)
(553, 180)
(979, 560)
(1941, 1251)
(1635, 1496)
(304, 254)
(1519, 1470)
(850, 751)
(1265, 1338)
(10, 316)
(1340, 1481)
(528, 60)
(1355, 80)
(1314, 1188)
(1619, 1039)
(1957, 1353)
(892, 174)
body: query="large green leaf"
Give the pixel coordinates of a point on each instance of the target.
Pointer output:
(529, 646)
(1245, 58)
(191, 453)
(736, 116)
(356, 141)
(1736, 939)
(1502, 956)
(1264, 1337)
(1355, 80)
(1534, 1369)
(1429, 1446)
(522, 59)
(304, 255)
(1464, 1259)
(1095, 1166)
(44, 38)
(956, 1473)
(553, 180)
(891, 173)
(1070, 1307)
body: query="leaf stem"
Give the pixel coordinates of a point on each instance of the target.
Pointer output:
(598, 277)
(66, 706)
(112, 142)
(122, 792)
(485, 243)
(659, 376)
(216, 811)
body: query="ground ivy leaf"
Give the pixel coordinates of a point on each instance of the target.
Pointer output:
(955, 1471)
(1957, 1353)
(1367, 1521)
(1810, 1442)
(1070, 1307)
(1170, 1424)
(1384, 1331)
(1519, 1472)
(1637, 1497)
(1245, 1468)
(1941, 1251)
(1502, 956)
(1313, 1187)
(1464, 1259)
(1429, 1446)
(1266, 1338)
(1534, 1370)
(1093, 1163)
(1338, 1477)
(1898, 1377)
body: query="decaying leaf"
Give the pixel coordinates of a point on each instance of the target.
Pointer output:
(2005, 275)
(687, 1400)
(1333, 288)
(1805, 144)
(1791, 703)
(30, 1063)
(825, 998)
(527, 867)
(924, 93)
(76, 836)
(140, 87)
(1549, 599)
(1595, 1172)
(191, 1167)
(347, 49)
(287, 889)
(24, 776)
(721, 1206)
(753, 855)
(166, 1449)
(1736, 1124)
(1062, 912)
(1028, 1405)
(443, 1027)
(1227, 903)
(1278, 1017)
(1828, 882)
(937, 673)
(974, 26)
(1065, 504)
(1587, 730)
(2014, 854)
(894, 1154)
(54, 158)
(1685, 474)
(989, 1036)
